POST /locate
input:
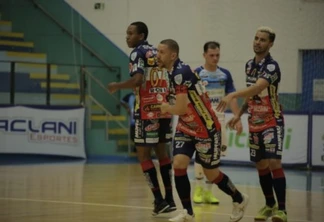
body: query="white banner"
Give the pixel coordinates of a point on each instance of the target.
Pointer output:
(318, 140)
(42, 131)
(295, 141)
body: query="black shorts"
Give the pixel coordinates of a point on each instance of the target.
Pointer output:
(151, 132)
(207, 149)
(266, 144)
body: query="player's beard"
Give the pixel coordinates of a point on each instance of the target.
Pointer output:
(259, 51)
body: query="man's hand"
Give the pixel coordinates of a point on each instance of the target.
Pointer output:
(129, 111)
(235, 124)
(164, 108)
(238, 127)
(224, 103)
(112, 87)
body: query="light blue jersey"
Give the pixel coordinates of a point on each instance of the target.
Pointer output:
(218, 83)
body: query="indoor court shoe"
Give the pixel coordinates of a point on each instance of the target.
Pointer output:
(265, 212)
(160, 207)
(279, 216)
(238, 209)
(172, 206)
(198, 197)
(183, 217)
(210, 198)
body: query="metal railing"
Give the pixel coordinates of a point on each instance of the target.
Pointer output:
(12, 69)
(86, 96)
(86, 80)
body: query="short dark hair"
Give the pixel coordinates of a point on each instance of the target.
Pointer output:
(172, 44)
(141, 27)
(211, 45)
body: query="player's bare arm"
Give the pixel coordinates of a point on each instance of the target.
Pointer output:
(236, 110)
(243, 108)
(232, 123)
(260, 85)
(135, 81)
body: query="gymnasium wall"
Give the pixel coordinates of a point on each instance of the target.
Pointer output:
(298, 24)
(59, 47)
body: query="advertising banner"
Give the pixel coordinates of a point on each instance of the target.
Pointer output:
(318, 140)
(27, 130)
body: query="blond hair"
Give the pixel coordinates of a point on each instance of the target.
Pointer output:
(272, 34)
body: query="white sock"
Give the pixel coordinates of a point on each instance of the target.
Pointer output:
(209, 186)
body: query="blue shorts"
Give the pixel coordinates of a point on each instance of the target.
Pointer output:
(151, 132)
(207, 149)
(266, 144)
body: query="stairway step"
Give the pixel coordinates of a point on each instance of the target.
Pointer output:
(117, 131)
(123, 142)
(59, 85)
(16, 46)
(12, 34)
(109, 118)
(16, 43)
(27, 54)
(5, 26)
(4, 22)
(23, 57)
(43, 76)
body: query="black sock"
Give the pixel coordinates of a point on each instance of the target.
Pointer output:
(225, 184)
(265, 178)
(279, 185)
(166, 174)
(151, 178)
(183, 188)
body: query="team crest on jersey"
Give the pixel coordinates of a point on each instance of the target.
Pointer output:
(178, 79)
(271, 67)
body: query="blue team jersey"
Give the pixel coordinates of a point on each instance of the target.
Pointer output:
(218, 83)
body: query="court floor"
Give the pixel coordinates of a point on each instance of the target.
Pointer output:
(80, 192)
